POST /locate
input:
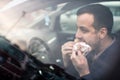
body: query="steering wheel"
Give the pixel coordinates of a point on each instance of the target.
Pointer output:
(39, 49)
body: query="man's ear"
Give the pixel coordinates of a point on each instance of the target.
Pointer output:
(102, 33)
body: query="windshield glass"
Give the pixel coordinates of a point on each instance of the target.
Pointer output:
(41, 28)
(23, 19)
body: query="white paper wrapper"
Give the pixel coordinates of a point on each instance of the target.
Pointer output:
(83, 47)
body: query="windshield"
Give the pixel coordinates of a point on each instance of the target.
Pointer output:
(25, 19)
(41, 29)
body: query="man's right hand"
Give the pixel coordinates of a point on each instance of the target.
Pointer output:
(67, 49)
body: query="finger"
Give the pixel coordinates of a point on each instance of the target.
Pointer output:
(79, 53)
(67, 52)
(81, 56)
(68, 44)
(67, 48)
(73, 55)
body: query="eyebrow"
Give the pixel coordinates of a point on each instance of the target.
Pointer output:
(82, 28)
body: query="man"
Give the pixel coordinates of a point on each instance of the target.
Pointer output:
(94, 25)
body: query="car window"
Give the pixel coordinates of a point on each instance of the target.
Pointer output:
(116, 13)
(115, 10)
(68, 19)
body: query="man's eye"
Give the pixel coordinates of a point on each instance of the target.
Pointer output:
(84, 30)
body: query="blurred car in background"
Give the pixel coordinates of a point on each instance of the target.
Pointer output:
(41, 27)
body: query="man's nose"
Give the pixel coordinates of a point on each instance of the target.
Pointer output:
(78, 35)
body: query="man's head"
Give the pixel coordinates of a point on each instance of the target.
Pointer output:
(94, 24)
(102, 16)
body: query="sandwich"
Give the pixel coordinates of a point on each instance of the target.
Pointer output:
(82, 46)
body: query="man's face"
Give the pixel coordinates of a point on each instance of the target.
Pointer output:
(86, 31)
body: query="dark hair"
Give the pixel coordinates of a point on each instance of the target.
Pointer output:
(102, 16)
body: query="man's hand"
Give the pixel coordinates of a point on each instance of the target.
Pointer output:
(80, 63)
(66, 52)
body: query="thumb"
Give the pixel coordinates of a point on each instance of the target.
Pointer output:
(73, 55)
(79, 53)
